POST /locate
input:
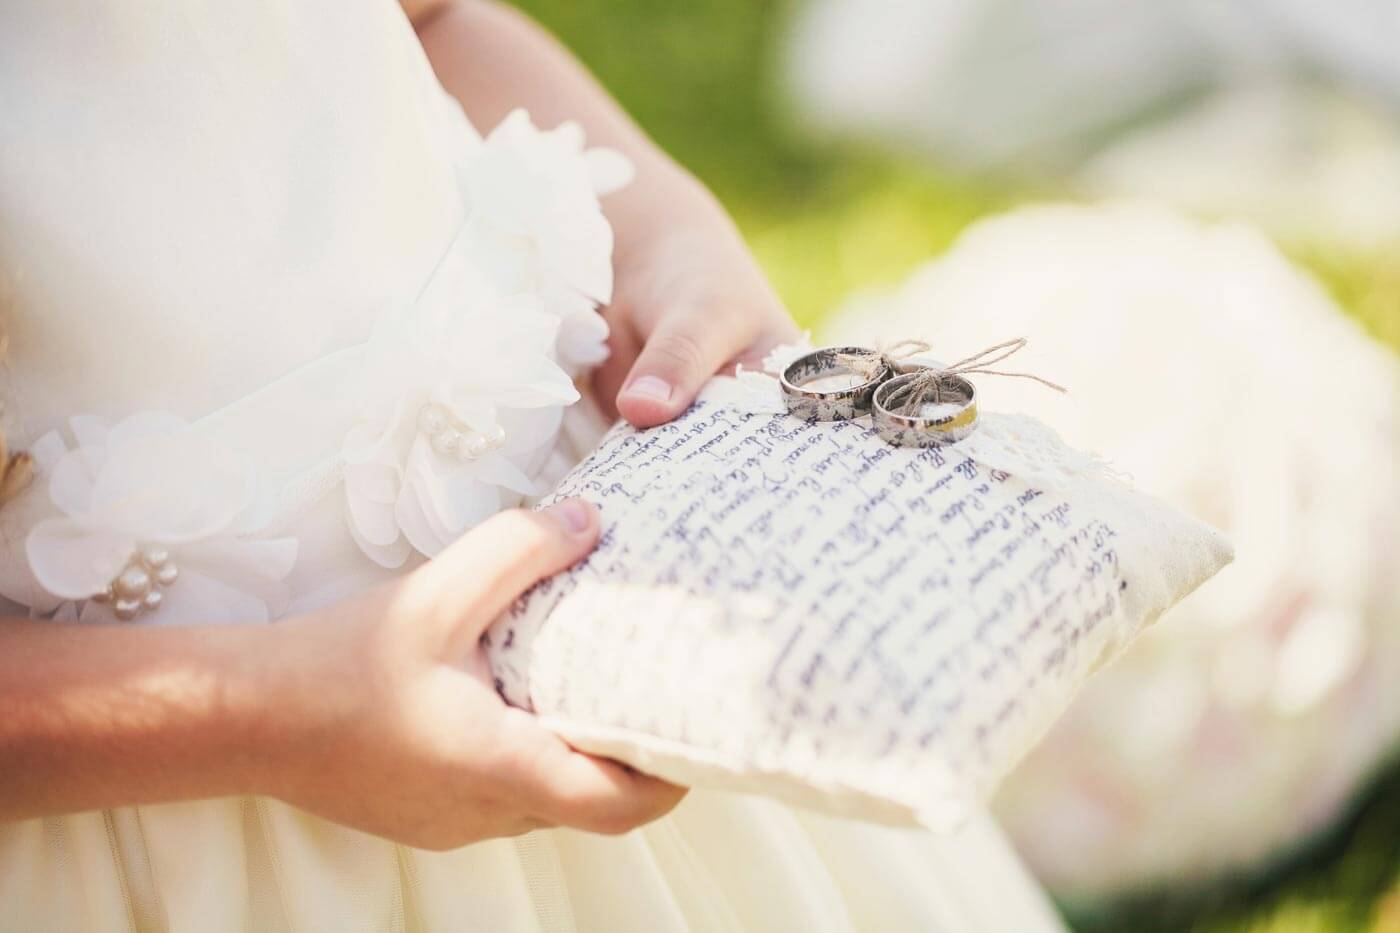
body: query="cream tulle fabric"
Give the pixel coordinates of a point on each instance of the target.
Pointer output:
(242, 248)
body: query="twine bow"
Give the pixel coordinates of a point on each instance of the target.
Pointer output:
(868, 363)
(927, 385)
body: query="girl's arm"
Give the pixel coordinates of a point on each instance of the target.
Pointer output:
(95, 716)
(689, 297)
(378, 713)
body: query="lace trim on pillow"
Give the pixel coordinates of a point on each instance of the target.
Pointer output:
(1025, 447)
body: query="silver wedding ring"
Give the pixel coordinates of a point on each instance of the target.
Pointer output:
(815, 390)
(946, 421)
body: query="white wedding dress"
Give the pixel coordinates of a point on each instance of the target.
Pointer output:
(275, 308)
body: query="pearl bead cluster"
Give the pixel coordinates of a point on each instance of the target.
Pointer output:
(136, 589)
(451, 438)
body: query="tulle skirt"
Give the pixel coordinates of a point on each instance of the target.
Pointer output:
(718, 862)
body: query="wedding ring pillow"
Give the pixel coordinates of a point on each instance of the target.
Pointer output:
(827, 585)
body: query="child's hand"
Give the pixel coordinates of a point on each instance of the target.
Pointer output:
(688, 298)
(399, 730)
(689, 301)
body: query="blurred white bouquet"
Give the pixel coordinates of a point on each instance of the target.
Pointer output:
(1226, 381)
(1284, 110)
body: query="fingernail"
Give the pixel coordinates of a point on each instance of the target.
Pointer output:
(650, 387)
(576, 514)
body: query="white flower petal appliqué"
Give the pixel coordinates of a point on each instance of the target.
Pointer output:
(461, 395)
(609, 170)
(465, 389)
(149, 485)
(74, 562)
(535, 222)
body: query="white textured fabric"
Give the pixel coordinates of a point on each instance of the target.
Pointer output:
(821, 617)
(267, 221)
(1223, 379)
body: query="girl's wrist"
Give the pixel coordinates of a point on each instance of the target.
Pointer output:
(256, 716)
(100, 716)
(316, 679)
(290, 699)
(662, 198)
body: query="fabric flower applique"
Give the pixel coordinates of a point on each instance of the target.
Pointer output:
(463, 403)
(536, 224)
(156, 523)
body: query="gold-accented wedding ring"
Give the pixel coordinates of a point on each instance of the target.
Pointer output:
(925, 408)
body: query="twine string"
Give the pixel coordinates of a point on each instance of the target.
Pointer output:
(928, 385)
(869, 363)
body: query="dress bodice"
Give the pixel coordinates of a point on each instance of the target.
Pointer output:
(247, 259)
(192, 205)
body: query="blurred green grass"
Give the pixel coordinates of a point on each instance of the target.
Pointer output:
(1348, 880)
(701, 77)
(826, 219)
(822, 219)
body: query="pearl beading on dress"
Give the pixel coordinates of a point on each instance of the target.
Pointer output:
(451, 438)
(136, 589)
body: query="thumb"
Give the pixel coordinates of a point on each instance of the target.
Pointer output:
(686, 349)
(481, 574)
